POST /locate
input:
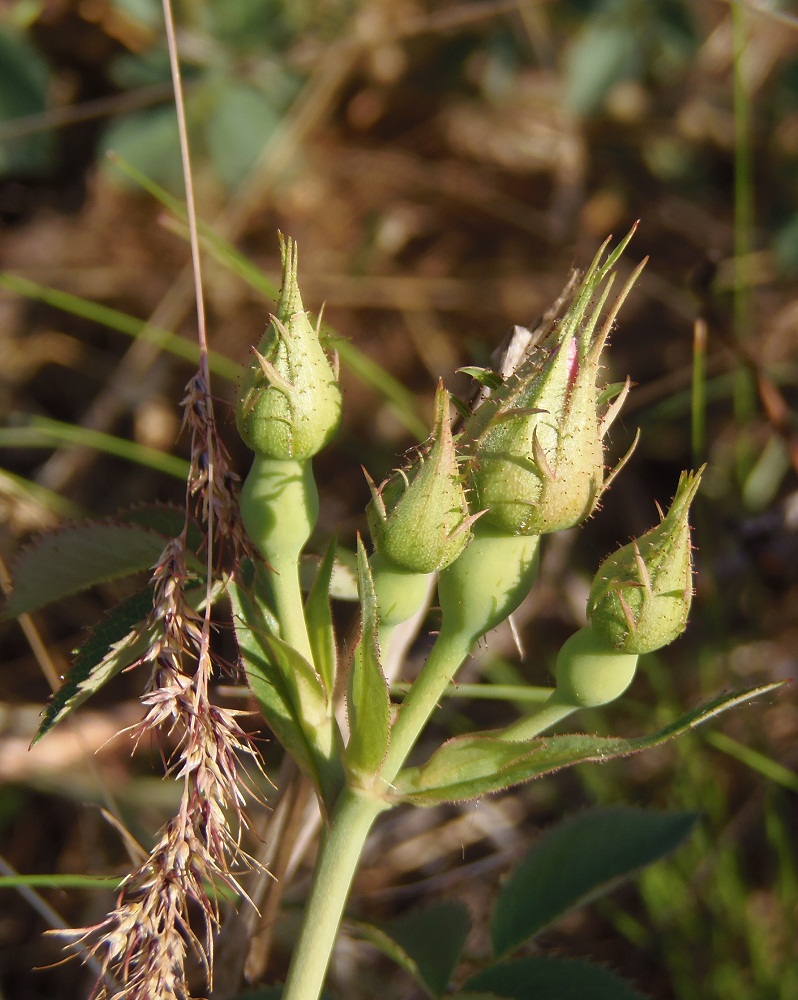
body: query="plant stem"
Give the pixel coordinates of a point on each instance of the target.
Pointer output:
(479, 590)
(553, 710)
(449, 651)
(288, 604)
(279, 506)
(494, 574)
(335, 868)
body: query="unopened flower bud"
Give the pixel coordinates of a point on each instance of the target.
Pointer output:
(419, 518)
(641, 595)
(536, 442)
(290, 402)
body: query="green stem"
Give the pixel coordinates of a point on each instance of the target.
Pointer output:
(553, 710)
(450, 649)
(288, 604)
(477, 592)
(279, 507)
(353, 818)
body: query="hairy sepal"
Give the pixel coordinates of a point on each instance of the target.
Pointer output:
(289, 692)
(368, 701)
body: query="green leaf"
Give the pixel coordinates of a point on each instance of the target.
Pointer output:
(469, 766)
(79, 556)
(577, 861)
(166, 519)
(287, 688)
(239, 126)
(604, 53)
(368, 701)
(149, 140)
(552, 978)
(426, 942)
(24, 85)
(118, 640)
(318, 615)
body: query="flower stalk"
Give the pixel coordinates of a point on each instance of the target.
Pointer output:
(335, 869)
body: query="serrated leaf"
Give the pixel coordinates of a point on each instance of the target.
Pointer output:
(469, 766)
(167, 519)
(552, 978)
(380, 939)
(288, 690)
(78, 556)
(115, 642)
(368, 701)
(120, 639)
(578, 860)
(318, 615)
(426, 942)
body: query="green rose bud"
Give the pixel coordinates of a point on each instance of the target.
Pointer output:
(537, 462)
(590, 671)
(641, 595)
(419, 518)
(290, 401)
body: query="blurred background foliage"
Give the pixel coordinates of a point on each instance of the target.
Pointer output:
(442, 166)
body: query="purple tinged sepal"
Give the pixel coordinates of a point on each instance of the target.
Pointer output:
(641, 595)
(419, 517)
(290, 403)
(536, 443)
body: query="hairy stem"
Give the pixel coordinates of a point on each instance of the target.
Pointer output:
(279, 506)
(449, 651)
(335, 868)
(552, 711)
